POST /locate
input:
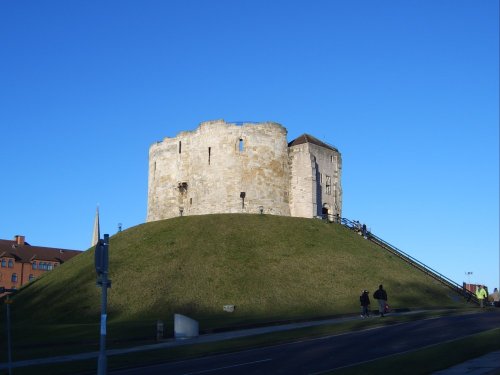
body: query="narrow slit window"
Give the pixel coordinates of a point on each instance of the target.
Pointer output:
(242, 196)
(180, 147)
(241, 145)
(328, 185)
(209, 154)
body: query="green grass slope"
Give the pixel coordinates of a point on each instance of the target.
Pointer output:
(270, 267)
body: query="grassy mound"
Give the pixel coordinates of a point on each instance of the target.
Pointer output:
(270, 267)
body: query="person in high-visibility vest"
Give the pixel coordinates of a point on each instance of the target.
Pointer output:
(481, 294)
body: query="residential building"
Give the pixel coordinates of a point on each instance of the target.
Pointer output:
(21, 262)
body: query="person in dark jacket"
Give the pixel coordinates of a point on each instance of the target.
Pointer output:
(381, 295)
(364, 299)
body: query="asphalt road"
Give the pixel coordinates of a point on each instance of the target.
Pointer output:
(328, 353)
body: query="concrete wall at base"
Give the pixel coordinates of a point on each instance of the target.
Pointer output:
(184, 327)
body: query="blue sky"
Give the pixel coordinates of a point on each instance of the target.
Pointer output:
(407, 90)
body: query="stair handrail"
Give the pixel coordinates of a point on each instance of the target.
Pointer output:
(355, 225)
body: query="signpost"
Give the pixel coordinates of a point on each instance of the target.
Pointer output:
(101, 267)
(8, 302)
(9, 347)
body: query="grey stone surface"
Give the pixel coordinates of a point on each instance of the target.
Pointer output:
(207, 170)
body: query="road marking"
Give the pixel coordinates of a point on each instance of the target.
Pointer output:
(226, 367)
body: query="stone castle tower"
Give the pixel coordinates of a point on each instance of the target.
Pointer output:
(243, 168)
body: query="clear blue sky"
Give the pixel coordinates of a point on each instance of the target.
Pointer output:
(407, 90)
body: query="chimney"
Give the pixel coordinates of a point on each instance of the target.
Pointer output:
(19, 240)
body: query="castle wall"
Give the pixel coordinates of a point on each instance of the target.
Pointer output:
(315, 187)
(329, 169)
(206, 170)
(302, 181)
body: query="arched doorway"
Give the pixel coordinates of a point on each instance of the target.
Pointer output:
(327, 212)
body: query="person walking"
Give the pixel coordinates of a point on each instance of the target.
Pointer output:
(481, 294)
(364, 299)
(495, 296)
(381, 295)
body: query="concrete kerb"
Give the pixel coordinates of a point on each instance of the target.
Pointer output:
(202, 339)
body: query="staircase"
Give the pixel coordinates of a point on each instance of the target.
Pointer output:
(457, 288)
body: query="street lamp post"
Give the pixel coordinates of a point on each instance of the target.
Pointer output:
(468, 273)
(101, 267)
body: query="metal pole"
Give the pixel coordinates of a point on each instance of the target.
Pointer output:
(102, 366)
(9, 344)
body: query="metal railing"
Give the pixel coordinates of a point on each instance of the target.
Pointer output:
(471, 297)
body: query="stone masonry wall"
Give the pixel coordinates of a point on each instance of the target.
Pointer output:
(227, 168)
(315, 187)
(206, 171)
(302, 181)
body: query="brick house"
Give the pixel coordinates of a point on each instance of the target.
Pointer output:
(21, 263)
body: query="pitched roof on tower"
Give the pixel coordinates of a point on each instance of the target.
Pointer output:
(307, 138)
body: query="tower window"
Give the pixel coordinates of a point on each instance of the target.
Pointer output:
(180, 147)
(241, 145)
(328, 185)
(183, 187)
(209, 153)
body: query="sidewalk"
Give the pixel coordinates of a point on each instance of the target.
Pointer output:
(202, 339)
(486, 364)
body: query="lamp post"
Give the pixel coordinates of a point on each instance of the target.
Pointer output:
(101, 267)
(468, 273)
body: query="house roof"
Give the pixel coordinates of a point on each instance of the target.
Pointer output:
(307, 138)
(27, 253)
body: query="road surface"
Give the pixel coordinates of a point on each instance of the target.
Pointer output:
(313, 356)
